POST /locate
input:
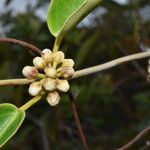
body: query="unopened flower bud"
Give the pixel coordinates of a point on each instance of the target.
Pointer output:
(63, 85)
(50, 72)
(29, 72)
(39, 62)
(68, 63)
(58, 57)
(35, 88)
(47, 55)
(53, 98)
(49, 84)
(67, 72)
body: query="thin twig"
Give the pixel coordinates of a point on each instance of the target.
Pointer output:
(77, 119)
(22, 43)
(90, 70)
(100, 67)
(136, 139)
(136, 65)
(15, 82)
(110, 64)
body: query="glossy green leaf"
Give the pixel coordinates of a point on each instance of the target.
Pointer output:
(10, 120)
(65, 14)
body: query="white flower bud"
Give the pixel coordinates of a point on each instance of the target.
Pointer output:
(67, 72)
(47, 55)
(29, 72)
(50, 72)
(39, 62)
(68, 63)
(62, 85)
(35, 88)
(49, 84)
(58, 57)
(53, 98)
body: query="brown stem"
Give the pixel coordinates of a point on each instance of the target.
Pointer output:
(22, 43)
(136, 139)
(77, 119)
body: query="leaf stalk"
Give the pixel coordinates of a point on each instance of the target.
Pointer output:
(30, 103)
(57, 43)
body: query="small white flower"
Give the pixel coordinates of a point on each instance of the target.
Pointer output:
(53, 98)
(30, 72)
(67, 72)
(47, 55)
(58, 57)
(62, 85)
(39, 62)
(68, 63)
(50, 72)
(35, 88)
(49, 84)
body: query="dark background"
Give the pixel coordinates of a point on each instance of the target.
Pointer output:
(113, 105)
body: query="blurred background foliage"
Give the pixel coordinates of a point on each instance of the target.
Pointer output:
(114, 105)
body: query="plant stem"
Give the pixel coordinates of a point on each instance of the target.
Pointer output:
(110, 64)
(136, 139)
(22, 43)
(57, 43)
(30, 103)
(77, 120)
(40, 75)
(86, 71)
(15, 82)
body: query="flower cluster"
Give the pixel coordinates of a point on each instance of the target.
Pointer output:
(51, 72)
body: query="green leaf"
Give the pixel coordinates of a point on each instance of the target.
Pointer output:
(65, 14)
(10, 120)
